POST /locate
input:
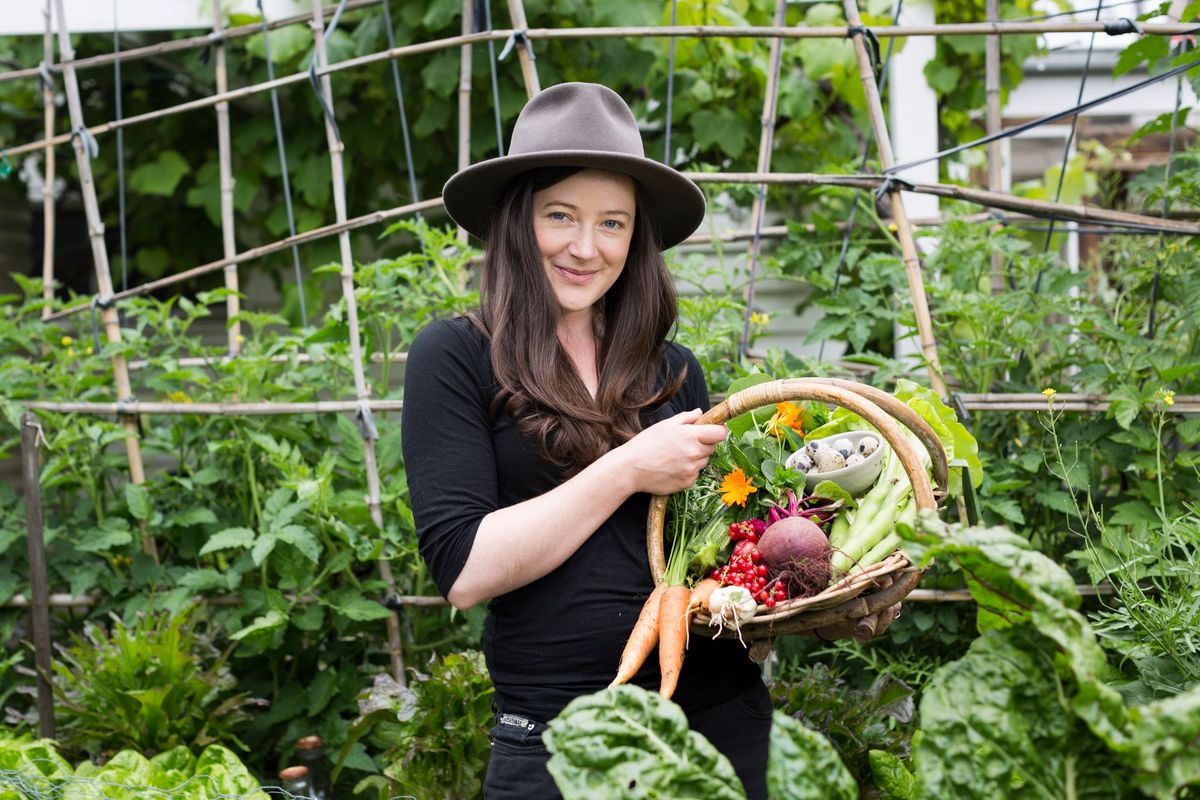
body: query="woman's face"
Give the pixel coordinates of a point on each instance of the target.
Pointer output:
(584, 226)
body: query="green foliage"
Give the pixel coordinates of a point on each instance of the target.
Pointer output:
(803, 765)
(627, 742)
(855, 721)
(32, 769)
(266, 513)
(152, 686)
(1029, 706)
(432, 735)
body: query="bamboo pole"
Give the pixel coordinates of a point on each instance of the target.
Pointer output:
(908, 246)
(766, 141)
(676, 31)
(1183, 404)
(516, 12)
(104, 288)
(464, 97)
(48, 208)
(31, 471)
(180, 45)
(374, 218)
(966, 29)
(361, 390)
(431, 601)
(262, 408)
(1020, 205)
(995, 150)
(225, 158)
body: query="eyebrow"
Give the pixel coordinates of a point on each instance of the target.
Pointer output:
(611, 212)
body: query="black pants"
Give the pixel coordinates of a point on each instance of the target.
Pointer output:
(740, 728)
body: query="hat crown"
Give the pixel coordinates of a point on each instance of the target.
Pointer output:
(577, 116)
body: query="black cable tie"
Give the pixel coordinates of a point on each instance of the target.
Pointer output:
(891, 183)
(89, 141)
(46, 75)
(366, 421)
(392, 602)
(216, 37)
(873, 51)
(1119, 27)
(316, 85)
(960, 408)
(515, 38)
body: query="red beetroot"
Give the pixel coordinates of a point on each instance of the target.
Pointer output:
(796, 550)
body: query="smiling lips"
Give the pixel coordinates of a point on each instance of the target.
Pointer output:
(574, 276)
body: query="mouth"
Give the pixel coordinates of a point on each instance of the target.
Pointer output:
(573, 275)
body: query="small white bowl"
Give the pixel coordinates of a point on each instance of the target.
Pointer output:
(857, 479)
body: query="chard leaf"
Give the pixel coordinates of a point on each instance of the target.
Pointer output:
(892, 776)
(626, 742)
(803, 765)
(996, 723)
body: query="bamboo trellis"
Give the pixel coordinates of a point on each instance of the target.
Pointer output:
(519, 36)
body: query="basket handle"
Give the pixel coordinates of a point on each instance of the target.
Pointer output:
(803, 389)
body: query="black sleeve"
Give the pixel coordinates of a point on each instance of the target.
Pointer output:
(448, 453)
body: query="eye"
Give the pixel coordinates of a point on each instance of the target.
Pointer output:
(613, 224)
(557, 216)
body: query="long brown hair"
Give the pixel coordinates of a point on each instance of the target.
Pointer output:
(519, 312)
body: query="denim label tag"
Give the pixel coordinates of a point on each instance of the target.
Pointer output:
(514, 721)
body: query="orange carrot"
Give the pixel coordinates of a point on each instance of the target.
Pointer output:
(642, 638)
(700, 594)
(672, 635)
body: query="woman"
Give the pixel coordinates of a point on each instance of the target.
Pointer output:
(536, 429)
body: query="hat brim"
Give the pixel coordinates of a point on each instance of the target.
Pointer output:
(675, 204)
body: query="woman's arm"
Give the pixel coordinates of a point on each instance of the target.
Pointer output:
(518, 544)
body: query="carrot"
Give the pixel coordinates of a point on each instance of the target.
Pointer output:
(642, 638)
(700, 594)
(672, 635)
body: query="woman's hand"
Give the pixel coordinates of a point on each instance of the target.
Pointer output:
(864, 629)
(668, 456)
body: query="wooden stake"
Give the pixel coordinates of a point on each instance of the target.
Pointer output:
(225, 157)
(104, 289)
(31, 469)
(464, 97)
(908, 247)
(362, 392)
(516, 12)
(48, 191)
(766, 140)
(995, 150)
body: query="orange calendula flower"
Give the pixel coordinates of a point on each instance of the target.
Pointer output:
(787, 415)
(736, 487)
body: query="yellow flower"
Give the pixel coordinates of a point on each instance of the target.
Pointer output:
(241, 339)
(758, 318)
(1173, 247)
(179, 397)
(787, 415)
(66, 341)
(893, 227)
(1049, 393)
(1167, 397)
(736, 487)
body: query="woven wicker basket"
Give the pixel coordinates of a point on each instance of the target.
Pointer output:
(862, 592)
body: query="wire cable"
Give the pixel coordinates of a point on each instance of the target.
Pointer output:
(120, 150)
(408, 156)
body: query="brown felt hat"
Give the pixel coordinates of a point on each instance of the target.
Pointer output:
(577, 125)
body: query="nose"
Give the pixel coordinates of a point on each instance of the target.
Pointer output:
(583, 244)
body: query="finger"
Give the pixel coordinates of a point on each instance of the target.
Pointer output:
(688, 416)
(711, 434)
(886, 618)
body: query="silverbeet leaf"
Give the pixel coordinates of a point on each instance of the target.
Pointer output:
(626, 742)
(804, 766)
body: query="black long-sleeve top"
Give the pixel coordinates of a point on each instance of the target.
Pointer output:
(561, 635)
